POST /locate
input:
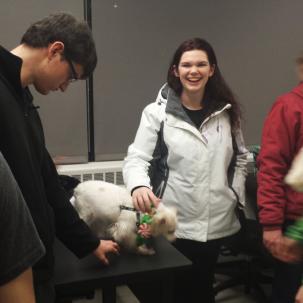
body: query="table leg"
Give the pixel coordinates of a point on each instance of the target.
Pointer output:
(109, 294)
(167, 288)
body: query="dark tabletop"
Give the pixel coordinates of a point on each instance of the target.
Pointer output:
(90, 273)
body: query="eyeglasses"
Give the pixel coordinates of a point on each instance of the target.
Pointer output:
(73, 75)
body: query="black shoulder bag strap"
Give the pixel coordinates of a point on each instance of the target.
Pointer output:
(239, 208)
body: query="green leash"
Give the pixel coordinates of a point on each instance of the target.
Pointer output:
(145, 219)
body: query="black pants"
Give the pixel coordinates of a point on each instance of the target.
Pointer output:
(197, 282)
(287, 281)
(44, 291)
(287, 278)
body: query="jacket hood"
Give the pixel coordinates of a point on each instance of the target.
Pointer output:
(163, 93)
(174, 104)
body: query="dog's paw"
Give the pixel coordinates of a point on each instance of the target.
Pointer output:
(113, 230)
(145, 251)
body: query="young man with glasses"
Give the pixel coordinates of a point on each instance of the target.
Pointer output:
(73, 74)
(53, 52)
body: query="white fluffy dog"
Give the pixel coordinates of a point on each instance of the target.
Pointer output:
(99, 205)
(294, 177)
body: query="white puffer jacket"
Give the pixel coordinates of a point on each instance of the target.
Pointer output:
(193, 167)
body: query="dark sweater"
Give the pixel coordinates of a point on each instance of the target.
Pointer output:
(23, 146)
(197, 116)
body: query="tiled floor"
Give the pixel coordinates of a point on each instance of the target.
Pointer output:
(124, 295)
(233, 295)
(238, 295)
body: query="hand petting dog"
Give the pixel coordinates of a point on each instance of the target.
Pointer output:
(144, 198)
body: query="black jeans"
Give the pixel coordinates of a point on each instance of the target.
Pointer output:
(197, 282)
(287, 279)
(44, 291)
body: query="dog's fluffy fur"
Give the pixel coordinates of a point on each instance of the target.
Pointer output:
(98, 204)
(294, 177)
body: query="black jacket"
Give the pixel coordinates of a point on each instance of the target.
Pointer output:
(22, 144)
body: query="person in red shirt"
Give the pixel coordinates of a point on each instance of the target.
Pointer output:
(279, 205)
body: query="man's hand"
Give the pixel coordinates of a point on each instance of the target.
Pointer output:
(144, 198)
(299, 296)
(282, 248)
(272, 240)
(290, 251)
(105, 247)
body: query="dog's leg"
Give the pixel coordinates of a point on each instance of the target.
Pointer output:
(124, 234)
(144, 250)
(84, 210)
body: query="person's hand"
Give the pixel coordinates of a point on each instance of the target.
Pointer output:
(144, 198)
(144, 230)
(272, 240)
(299, 295)
(282, 248)
(105, 247)
(290, 250)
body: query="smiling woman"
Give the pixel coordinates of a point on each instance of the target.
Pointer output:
(194, 70)
(216, 92)
(185, 139)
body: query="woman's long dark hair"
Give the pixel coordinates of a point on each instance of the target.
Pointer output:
(217, 93)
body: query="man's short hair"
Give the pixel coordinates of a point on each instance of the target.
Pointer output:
(76, 35)
(299, 59)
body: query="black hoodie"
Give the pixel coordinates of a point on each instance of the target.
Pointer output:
(23, 146)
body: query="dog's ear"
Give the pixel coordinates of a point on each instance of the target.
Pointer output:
(163, 221)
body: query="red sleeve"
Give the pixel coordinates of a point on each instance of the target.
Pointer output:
(277, 150)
